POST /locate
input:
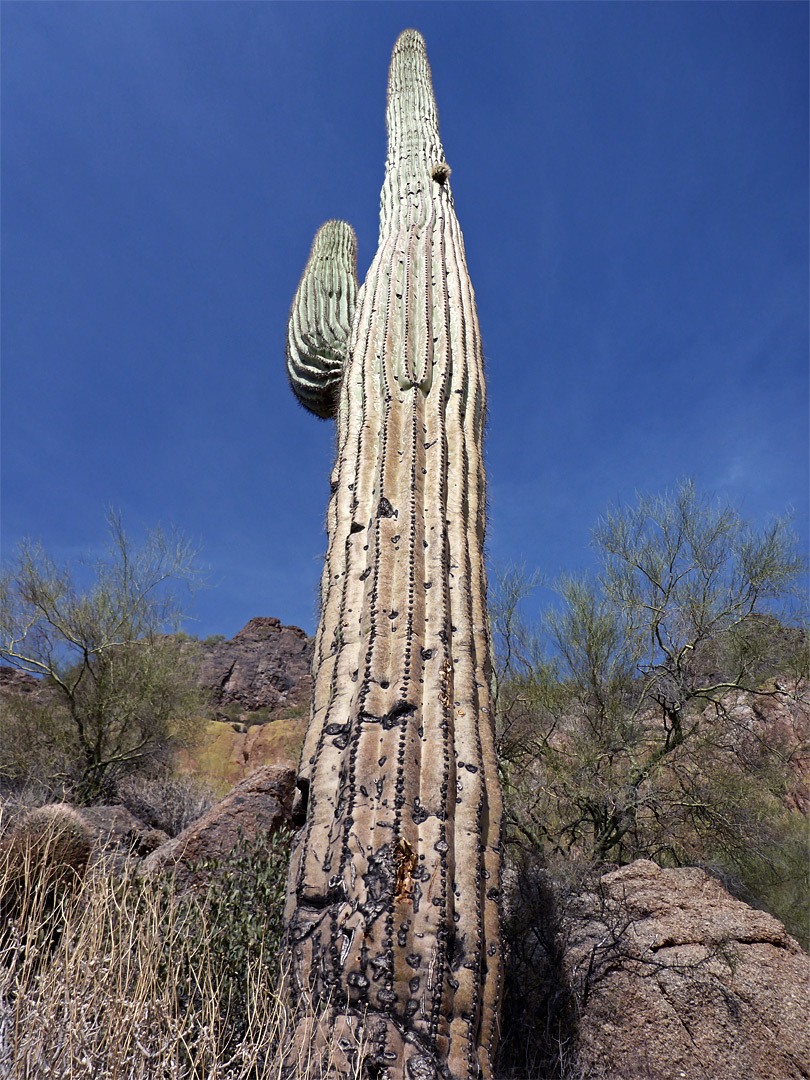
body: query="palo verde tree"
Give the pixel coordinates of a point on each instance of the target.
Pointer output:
(117, 690)
(392, 910)
(622, 721)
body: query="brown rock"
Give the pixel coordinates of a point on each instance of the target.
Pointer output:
(260, 803)
(279, 743)
(677, 979)
(266, 666)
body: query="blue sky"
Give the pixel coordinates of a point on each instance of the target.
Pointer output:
(632, 183)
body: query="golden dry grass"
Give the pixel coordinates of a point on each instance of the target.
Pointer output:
(128, 984)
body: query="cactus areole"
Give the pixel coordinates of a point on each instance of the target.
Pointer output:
(393, 896)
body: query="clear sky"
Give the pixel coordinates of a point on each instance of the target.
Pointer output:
(632, 183)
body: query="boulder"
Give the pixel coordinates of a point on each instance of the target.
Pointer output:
(261, 802)
(676, 979)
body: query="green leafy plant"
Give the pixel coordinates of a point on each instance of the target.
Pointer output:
(244, 904)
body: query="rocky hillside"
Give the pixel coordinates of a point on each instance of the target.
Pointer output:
(260, 685)
(264, 669)
(632, 973)
(13, 681)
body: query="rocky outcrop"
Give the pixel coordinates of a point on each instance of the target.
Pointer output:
(226, 753)
(675, 978)
(260, 803)
(265, 667)
(13, 681)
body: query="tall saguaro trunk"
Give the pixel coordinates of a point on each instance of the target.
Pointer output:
(392, 910)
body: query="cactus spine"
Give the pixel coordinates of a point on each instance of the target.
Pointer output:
(393, 895)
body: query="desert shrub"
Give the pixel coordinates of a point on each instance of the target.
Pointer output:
(38, 749)
(628, 719)
(299, 711)
(244, 905)
(137, 712)
(113, 1000)
(774, 873)
(230, 929)
(262, 715)
(232, 712)
(121, 692)
(17, 799)
(166, 800)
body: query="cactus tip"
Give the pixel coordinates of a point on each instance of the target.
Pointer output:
(409, 39)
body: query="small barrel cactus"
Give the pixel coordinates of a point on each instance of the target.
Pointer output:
(393, 896)
(43, 860)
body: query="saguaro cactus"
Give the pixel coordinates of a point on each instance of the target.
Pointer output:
(392, 909)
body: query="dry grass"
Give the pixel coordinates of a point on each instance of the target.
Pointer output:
(127, 986)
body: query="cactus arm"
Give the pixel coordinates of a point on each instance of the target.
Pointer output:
(399, 753)
(321, 318)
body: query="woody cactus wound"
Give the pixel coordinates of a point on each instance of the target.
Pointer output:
(393, 894)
